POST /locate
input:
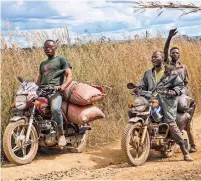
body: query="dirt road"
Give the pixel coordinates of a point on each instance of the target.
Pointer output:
(107, 163)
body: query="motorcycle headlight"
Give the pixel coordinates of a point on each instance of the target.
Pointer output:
(20, 102)
(140, 104)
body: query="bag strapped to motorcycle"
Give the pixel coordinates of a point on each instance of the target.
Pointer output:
(68, 101)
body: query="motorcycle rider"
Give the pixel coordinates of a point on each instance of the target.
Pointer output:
(51, 74)
(183, 72)
(162, 78)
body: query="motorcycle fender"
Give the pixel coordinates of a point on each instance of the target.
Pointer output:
(17, 118)
(136, 119)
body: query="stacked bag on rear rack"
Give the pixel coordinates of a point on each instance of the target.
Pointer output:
(78, 103)
(185, 110)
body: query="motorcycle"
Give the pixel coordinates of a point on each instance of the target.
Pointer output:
(33, 126)
(146, 130)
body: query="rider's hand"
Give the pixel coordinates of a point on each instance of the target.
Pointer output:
(172, 93)
(172, 32)
(60, 88)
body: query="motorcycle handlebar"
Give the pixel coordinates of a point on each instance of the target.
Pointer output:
(46, 91)
(138, 91)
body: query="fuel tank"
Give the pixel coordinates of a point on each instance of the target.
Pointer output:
(44, 107)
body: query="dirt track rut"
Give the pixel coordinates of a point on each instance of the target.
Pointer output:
(106, 163)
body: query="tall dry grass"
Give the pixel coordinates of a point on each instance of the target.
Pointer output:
(110, 63)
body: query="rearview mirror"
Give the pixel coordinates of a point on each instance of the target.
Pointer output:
(20, 79)
(131, 86)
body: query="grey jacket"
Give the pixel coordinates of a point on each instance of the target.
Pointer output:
(170, 81)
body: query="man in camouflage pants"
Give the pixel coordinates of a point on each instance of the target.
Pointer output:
(161, 78)
(183, 73)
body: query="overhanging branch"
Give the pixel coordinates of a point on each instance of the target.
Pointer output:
(185, 8)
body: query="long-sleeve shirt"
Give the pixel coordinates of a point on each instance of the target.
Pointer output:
(182, 71)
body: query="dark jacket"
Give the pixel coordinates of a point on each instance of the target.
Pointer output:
(169, 81)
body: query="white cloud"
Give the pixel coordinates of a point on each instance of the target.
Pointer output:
(91, 11)
(114, 19)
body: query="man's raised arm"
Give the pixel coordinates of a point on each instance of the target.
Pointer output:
(172, 33)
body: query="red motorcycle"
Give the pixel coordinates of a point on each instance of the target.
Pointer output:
(33, 126)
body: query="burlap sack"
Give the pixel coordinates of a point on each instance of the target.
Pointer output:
(82, 94)
(82, 114)
(184, 103)
(182, 120)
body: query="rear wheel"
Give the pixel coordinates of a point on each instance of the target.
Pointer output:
(79, 146)
(15, 148)
(135, 153)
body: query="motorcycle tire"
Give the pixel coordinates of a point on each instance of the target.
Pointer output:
(125, 145)
(11, 138)
(81, 146)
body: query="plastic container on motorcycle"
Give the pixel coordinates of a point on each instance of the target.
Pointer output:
(157, 113)
(82, 114)
(44, 107)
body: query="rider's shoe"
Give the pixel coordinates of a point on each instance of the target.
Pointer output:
(61, 140)
(188, 158)
(192, 149)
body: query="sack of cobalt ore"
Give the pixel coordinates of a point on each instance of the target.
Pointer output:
(82, 114)
(82, 94)
(184, 103)
(182, 120)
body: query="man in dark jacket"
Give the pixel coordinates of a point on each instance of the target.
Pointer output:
(159, 77)
(184, 100)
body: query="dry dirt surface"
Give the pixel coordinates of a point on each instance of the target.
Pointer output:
(107, 163)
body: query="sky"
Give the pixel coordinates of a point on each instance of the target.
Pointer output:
(88, 19)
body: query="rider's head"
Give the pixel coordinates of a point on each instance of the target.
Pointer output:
(157, 58)
(174, 53)
(50, 48)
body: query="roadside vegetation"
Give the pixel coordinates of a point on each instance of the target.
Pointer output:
(109, 63)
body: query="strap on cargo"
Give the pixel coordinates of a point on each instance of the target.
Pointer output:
(69, 96)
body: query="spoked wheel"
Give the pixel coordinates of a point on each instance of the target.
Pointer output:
(80, 145)
(15, 148)
(135, 153)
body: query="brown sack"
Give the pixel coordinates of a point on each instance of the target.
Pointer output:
(184, 103)
(182, 120)
(82, 94)
(82, 114)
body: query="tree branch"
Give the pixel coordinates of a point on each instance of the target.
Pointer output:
(186, 8)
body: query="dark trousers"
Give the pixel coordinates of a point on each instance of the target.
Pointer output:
(178, 137)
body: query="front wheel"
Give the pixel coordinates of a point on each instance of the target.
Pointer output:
(15, 148)
(135, 153)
